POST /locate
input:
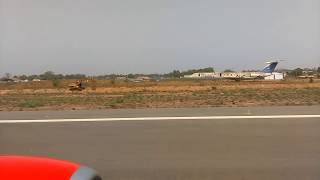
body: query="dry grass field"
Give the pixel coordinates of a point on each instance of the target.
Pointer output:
(48, 95)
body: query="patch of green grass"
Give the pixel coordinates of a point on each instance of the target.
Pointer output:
(114, 102)
(32, 103)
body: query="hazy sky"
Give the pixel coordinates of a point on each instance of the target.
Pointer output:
(155, 36)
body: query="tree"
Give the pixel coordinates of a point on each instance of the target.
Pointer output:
(75, 76)
(7, 75)
(48, 75)
(297, 72)
(228, 70)
(23, 77)
(208, 69)
(203, 70)
(31, 77)
(176, 74)
(131, 76)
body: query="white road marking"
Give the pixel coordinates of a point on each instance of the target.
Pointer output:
(156, 118)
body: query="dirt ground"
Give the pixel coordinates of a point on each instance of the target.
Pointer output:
(47, 95)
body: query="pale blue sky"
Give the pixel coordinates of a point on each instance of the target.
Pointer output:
(156, 36)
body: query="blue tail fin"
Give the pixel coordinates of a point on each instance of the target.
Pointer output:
(270, 67)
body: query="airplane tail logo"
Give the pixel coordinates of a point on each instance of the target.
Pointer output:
(270, 67)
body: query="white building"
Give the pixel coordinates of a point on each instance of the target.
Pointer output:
(275, 76)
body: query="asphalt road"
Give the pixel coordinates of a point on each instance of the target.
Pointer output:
(228, 149)
(220, 111)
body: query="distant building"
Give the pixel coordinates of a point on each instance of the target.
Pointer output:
(11, 80)
(140, 79)
(275, 76)
(143, 78)
(7, 80)
(121, 78)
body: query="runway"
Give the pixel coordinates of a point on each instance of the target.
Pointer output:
(239, 143)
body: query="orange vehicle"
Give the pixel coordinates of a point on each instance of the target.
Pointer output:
(36, 168)
(77, 86)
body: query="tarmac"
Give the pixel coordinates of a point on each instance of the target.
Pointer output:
(161, 112)
(214, 148)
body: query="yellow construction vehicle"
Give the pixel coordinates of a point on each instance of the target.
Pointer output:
(77, 86)
(82, 84)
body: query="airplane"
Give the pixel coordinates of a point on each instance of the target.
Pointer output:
(267, 71)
